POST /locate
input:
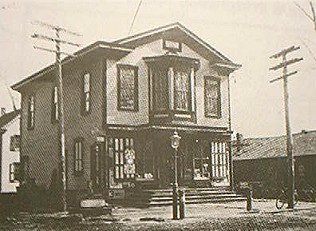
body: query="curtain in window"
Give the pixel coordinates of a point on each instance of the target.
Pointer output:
(182, 90)
(160, 90)
(212, 97)
(78, 156)
(127, 88)
(31, 111)
(86, 92)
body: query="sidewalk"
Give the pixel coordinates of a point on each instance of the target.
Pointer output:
(222, 210)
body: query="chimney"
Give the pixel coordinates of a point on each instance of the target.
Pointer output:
(2, 111)
(239, 138)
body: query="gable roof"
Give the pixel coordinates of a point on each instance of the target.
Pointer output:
(174, 29)
(304, 143)
(8, 117)
(126, 45)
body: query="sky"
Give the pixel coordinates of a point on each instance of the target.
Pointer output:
(247, 32)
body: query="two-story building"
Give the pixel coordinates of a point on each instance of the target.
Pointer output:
(122, 102)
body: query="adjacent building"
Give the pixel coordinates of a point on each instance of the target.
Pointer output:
(9, 150)
(263, 161)
(122, 102)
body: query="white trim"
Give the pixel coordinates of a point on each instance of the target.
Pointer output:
(167, 27)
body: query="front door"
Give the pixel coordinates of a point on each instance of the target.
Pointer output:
(96, 167)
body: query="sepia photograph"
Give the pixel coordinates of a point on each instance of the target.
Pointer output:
(157, 115)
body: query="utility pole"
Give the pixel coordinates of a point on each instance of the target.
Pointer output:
(289, 144)
(59, 77)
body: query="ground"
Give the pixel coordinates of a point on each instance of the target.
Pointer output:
(226, 216)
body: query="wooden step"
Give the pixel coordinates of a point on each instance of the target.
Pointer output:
(199, 201)
(163, 197)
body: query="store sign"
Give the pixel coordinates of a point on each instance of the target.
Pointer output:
(172, 45)
(116, 193)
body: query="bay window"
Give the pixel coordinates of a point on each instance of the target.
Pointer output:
(172, 87)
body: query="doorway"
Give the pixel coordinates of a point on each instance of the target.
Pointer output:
(97, 167)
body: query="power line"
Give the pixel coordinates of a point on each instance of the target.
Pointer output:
(132, 24)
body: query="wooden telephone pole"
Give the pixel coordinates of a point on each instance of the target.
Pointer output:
(59, 77)
(289, 144)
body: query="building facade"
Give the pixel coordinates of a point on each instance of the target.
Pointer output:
(9, 151)
(122, 102)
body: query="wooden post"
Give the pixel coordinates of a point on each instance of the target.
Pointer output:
(58, 64)
(289, 145)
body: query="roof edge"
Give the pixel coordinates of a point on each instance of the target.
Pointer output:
(81, 52)
(170, 26)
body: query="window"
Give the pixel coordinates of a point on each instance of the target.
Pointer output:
(14, 172)
(15, 143)
(86, 98)
(212, 97)
(78, 156)
(31, 113)
(55, 113)
(201, 162)
(127, 88)
(160, 90)
(182, 91)
(124, 158)
(219, 160)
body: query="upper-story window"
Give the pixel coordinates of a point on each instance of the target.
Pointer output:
(182, 98)
(160, 90)
(212, 97)
(31, 112)
(127, 87)
(55, 113)
(78, 156)
(15, 143)
(86, 102)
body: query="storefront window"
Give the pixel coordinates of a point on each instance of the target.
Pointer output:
(145, 162)
(122, 151)
(219, 160)
(201, 162)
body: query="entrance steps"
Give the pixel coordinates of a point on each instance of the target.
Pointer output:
(163, 197)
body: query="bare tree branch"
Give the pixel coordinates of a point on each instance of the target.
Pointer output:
(306, 14)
